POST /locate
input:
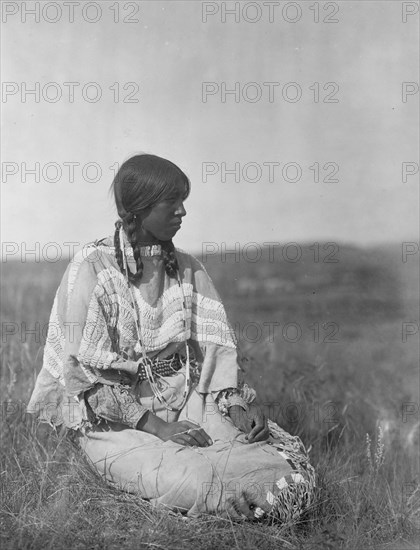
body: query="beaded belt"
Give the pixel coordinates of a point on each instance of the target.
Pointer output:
(160, 367)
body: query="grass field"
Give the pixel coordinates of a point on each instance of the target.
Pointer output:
(332, 352)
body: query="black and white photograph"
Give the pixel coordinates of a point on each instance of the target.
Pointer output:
(210, 275)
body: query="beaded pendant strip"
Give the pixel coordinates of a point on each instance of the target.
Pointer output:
(156, 249)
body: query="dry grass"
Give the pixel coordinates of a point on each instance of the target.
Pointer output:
(332, 395)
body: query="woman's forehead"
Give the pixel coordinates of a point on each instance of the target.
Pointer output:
(180, 187)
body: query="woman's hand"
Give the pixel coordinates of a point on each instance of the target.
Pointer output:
(252, 422)
(184, 432)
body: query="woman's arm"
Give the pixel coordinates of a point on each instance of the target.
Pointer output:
(118, 404)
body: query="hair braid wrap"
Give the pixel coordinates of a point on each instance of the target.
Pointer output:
(130, 227)
(169, 258)
(117, 244)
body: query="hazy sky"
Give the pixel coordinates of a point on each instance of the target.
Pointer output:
(365, 130)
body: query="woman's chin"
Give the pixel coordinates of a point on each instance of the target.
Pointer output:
(169, 235)
(173, 232)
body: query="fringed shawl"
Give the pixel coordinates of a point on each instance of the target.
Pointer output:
(93, 320)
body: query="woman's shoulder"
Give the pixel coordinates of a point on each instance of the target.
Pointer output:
(88, 269)
(188, 260)
(90, 260)
(93, 253)
(192, 268)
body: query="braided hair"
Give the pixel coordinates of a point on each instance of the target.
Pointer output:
(141, 182)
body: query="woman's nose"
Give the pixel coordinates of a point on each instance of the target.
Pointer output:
(180, 211)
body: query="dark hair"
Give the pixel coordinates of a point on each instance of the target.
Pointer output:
(140, 183)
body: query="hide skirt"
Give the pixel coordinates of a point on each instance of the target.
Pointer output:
(231, 478)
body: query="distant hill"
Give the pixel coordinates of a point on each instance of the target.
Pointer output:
(333, 281)
(328, 282)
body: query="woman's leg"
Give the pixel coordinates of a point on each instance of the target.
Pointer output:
(162, 472)
(229, 477)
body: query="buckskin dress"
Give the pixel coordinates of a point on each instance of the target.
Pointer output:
(89, 382)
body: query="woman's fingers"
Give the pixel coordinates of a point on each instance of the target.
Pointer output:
(240, 418)
(261, 436)
(199, 434)
(194, 437)
(203, 437)
(259, 427)
(259, 432)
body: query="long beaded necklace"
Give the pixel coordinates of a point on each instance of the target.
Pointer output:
(154, 385)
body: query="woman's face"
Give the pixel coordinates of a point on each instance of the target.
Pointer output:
(162, 221)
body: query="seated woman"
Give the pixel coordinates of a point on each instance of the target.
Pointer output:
(141, 362)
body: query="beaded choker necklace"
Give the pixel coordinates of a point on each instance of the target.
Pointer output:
(155, 250)
(151, 250)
